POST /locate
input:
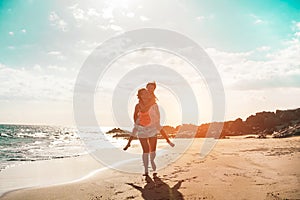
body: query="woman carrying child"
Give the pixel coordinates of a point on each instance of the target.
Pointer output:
(147, 125)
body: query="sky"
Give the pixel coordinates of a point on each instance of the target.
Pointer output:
(254, 45)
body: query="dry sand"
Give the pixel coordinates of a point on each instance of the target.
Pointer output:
(237, 168)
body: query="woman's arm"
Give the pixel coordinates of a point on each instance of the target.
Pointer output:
(136, 111)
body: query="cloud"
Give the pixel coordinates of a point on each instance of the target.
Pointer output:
(93, 13)
(54, 53)
(200, 18)
(35, 84)
(257, 20)
(116, 28)
(278, 81)
(278, 68)
(203, 18)
(263, 48)
(57, 22)
(37, 67)
(295, 26)
(107, 13)
(23, 31)
(228, 58)
(54, 67)
(78, 13)
(130, 14)
(296, 29)
(87, 18)
(86, 47)
(57, 54)
(143, 18)
(11, 33)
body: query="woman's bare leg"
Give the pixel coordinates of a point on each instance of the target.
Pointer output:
(145, 157)
(153, 143)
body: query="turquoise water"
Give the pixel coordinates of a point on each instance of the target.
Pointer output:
(23, 143)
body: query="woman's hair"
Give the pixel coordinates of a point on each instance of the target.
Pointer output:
(140, 91)
(147, 101)
(151, 83)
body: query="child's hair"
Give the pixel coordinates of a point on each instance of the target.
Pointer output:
(151, 83)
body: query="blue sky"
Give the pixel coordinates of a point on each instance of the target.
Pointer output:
(245, 25)
(254, 45)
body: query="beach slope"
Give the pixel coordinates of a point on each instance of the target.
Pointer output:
(236, 168)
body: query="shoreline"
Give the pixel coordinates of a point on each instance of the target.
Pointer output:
(30, 175)
(41, 173)
(236, 168)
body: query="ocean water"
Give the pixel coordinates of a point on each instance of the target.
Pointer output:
(27, 143)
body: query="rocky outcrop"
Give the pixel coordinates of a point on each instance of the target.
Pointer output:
(262, 121)
(270, 121)
(293, 130)
(261, 124)
(116, 130)
(186, 131)
(282, 123)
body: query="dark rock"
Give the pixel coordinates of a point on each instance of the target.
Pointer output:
(117, 130)
(288, 132)
(122, 135)
(287, 115)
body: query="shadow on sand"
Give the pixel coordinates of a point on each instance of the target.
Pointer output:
(156, 189)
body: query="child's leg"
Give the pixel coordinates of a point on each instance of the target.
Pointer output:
(164, 134)
(128, 143)
(134, 132)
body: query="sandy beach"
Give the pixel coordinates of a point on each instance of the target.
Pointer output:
(237, 168)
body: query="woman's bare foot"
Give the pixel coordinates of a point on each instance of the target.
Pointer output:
(146, 174)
